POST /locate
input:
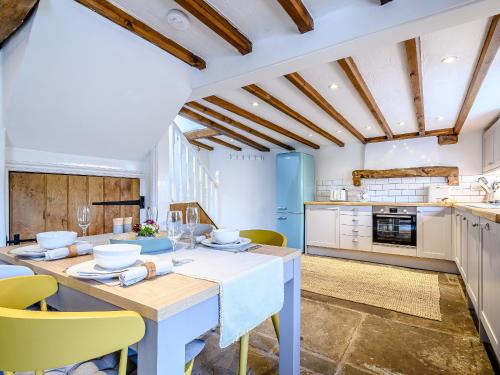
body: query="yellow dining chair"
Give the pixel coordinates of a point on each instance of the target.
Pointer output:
(38, 340)
(263, 237)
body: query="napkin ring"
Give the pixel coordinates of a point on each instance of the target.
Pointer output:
(73, 251)
(151, 268)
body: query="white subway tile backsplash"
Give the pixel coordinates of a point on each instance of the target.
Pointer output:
(406, 189)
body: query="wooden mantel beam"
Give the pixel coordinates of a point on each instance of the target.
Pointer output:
(258, 120)
(414, 60)
(352, 72)
(308, 90)
(223, 143)
(282, 107)
(202, 120)
(218, 23)
(129, 22)
(450, 172)
(12, 15)
(486, 57)
(219, 116)
(299, 14)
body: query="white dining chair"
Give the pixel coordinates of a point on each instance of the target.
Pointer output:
(7, 270)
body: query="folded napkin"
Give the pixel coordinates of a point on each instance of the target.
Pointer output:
(148, 270)
(81, 248)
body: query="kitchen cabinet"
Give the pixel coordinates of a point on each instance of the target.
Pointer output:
(489, 300)
(473, 259)
(491, 148)
(463, 246)
(434, 233)
(323, 226)
(457, 237)
(356, 228)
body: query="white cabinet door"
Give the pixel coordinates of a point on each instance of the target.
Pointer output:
(457, 236)
(488, 149)
(464, 242)
(434, 233)
(322, 226)
(473, 256)
(490, 283)
(496, 145)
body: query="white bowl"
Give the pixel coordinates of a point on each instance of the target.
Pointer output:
(223, 236)
(53, 240)
(116, 256)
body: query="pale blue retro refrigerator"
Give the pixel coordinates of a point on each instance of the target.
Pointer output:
(295, 185)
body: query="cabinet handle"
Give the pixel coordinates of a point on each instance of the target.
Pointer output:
(475, 225)
(355, 240)
(486, 226)
(464, 218)
(355, 220)
(355, 230)
(458, 215)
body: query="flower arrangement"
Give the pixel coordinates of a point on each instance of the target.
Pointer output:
(148, 229)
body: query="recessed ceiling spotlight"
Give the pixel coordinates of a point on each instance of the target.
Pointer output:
(439, 118)
(339, 131)
(394, 146)
(178, 20)
(231, 140)
(401, 123)
(368, 127)
(449, 59)
(310, 134)
(255, 104)
(333, 86)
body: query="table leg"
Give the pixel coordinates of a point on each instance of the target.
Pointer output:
(290, 325)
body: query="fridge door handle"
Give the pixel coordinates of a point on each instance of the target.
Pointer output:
(296, 213)
(282, 218)
(281, 208)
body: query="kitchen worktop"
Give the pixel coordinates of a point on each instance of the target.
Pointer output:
(492, 214)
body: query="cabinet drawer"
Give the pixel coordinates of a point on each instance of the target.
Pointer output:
(364, 220)
(355, 243)
(356, 210)
(357, 230)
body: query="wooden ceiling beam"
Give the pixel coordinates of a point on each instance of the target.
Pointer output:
(352, 72)
(282, 107)
(129, 22)
(218, 23)
(299, 14)
(414, 60)
(12, 15)
(202, 133)
(308, 90)
(258, 120)
(223, 143)
(201, 145)
(397, 137)
(486, 57)
(202, 120)
(219, 116)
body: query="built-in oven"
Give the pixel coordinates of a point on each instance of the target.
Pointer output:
(395, 225)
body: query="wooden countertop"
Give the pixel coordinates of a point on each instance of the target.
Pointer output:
(154, 299)
(492, 214)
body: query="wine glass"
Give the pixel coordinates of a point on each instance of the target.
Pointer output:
(191, 221)
(152, 214)
(83, 216)
(174, 232)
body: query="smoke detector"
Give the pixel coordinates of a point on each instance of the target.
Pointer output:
(178, 20)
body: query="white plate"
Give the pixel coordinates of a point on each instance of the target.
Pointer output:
(33, 251)
(241, 242)
(91, 266)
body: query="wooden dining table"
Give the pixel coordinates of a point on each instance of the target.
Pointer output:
(175, 308)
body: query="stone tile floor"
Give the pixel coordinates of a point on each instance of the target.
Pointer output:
(347, 338)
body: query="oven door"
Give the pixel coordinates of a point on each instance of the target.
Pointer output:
(395, 229)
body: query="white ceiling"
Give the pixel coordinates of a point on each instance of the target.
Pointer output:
(384, 69)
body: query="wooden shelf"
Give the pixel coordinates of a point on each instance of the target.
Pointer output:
(450, 172)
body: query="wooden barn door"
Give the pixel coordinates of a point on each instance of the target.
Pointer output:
(41, 202)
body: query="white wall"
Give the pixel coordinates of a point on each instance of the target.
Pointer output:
(247, 188)
(333, 162)
(76, 83)
(466, 154)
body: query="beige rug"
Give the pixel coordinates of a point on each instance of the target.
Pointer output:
(393, 288)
